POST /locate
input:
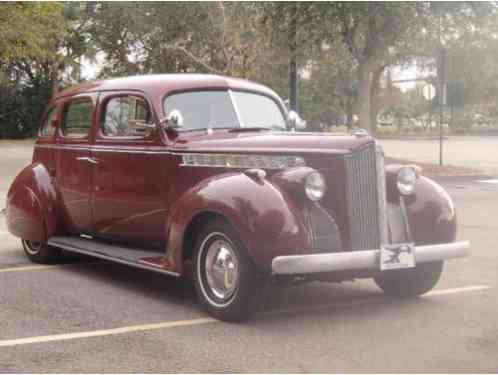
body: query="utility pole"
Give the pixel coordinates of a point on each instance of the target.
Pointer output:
(293, 86)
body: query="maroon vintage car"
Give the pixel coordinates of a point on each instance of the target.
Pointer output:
(163, 171)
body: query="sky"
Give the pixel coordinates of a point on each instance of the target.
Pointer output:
(90, 70)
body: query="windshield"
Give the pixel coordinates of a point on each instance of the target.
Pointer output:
(258, 110)
(225, 109)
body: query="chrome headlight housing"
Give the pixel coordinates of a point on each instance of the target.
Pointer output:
(406, 179)
(315, 186)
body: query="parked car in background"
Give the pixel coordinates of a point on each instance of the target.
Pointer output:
(161, 171)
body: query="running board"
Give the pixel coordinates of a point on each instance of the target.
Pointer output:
(147, 260)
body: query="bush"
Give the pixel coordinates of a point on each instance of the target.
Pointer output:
(21, 110)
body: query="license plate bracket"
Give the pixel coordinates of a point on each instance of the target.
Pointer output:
(397, 256)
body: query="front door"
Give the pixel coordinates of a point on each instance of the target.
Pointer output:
(128, 177)
(75, 163)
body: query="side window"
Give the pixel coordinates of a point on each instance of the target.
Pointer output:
(77, 118)
(47, 130)
(125, 116)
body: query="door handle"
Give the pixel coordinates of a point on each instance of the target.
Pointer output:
(88, 159)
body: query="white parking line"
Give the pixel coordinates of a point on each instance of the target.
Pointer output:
(434, 293)
(473, 288)
(106, 332)
(29, 268)
(493, 181)
(42, 267)
(199, 321)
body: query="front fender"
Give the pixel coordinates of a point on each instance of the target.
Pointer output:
(32, 204)
(431, 214)
(266, 218)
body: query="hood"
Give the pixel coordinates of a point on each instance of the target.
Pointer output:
(221, 141)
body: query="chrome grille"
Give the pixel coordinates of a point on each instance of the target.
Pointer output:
(363, 198)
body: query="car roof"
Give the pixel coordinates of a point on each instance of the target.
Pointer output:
(160, 84)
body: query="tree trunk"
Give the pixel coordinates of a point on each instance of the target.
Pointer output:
(293, 79)
(363, 101)
(54, 77)
(293, 85)
(374, 98)
(349, 110)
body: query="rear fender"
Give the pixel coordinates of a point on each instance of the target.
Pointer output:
(268, 221)
(32, 204)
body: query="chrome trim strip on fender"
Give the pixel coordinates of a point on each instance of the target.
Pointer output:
(160, 150)
(361, 260)
(105, 149)
(241, 161)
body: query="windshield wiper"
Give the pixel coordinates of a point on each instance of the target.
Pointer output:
(249, 129)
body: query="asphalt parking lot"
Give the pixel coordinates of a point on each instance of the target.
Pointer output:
(83, 315)
(476, 152)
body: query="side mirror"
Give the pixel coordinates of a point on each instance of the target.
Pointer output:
(140, 128)
(173, 121)
(296, 122)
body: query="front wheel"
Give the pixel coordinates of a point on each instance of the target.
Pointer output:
(39, 252)
(410, 282)
(225, 278)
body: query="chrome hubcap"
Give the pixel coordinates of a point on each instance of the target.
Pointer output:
(32, 247)
(222, 269)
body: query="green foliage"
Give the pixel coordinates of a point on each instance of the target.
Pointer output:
(344, 47)
(31, 35)
(27, 30)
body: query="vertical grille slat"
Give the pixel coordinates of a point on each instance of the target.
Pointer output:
(363, 199)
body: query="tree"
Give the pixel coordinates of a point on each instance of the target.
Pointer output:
(372, 31)
(28, 32)
(296, 29)
(141, 38)
(27, 29)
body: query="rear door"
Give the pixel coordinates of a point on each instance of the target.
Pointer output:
(75, 163)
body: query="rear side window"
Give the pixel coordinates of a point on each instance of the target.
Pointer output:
(47, 130)
(78, 119)
(123, 116)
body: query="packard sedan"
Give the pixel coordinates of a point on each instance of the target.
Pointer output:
(207, 176)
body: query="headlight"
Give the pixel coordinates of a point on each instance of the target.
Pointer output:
(315, 186)
(406, 180)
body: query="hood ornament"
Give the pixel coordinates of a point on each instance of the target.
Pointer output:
(360, 133)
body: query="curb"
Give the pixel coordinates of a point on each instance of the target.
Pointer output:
(434, 138)
(461, 178)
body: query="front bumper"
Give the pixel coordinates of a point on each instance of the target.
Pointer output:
(360, 260)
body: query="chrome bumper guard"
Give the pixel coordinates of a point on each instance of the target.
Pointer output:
(360, 260)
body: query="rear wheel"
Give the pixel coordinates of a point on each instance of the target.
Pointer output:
(39, 252)
(225, 279)
(410, 282)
